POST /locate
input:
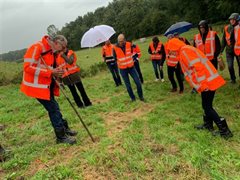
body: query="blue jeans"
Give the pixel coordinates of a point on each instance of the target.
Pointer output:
(156, 65)
(53, 111)
(115, 73)
(132, 72)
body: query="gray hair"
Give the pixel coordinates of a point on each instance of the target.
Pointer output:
(61, 39)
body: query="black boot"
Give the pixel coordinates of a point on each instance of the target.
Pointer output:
(224, 131)
(2, 154)
(207, 124)
(62, 137)
(68, 131)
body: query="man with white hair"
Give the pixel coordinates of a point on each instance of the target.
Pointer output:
(123, 54)
(39, 75)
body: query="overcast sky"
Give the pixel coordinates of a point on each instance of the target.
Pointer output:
(23, 22)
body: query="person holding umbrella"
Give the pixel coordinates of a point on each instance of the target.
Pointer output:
(203, 76)
(67, 61)
(39, 75)
(107, 55)
(123, 54)
(157, 52)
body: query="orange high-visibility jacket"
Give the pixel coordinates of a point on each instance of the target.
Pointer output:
(198, 70)
(172, 55)
(209, 47)
(136, 50)
(107, 51)
(237, 40)
(124, 60)
(156, 56)
(68, 68)
(36, 76)
(227, 35)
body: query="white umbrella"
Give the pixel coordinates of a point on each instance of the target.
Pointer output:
(96, 35)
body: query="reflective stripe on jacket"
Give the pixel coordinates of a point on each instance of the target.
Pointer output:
(172, 56)
(107, 53)
(227, 35)
(198, 70)
(124, 60)
(208, 48)
(36, 76)
(68, 68)
(156, 56)
(237, 40)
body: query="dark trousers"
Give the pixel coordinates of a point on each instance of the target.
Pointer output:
(215, 63)
(156, 66)
(83, 93)
(230, 62)
(53, 111)
(125, 75)
(177, 70)
(137, 67)
(207, 105)
(115, 73)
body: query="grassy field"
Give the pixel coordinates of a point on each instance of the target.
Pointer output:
(150, 140)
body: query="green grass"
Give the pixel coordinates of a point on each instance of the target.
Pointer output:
(152, 140)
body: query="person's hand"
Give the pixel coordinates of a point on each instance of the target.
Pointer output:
(57, 72)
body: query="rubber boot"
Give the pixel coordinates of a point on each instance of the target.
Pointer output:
(224, 131)
(62, 137)
(68, 131)
(2, 154)
(207, 124)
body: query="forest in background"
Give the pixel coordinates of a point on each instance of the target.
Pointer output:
(141, 18)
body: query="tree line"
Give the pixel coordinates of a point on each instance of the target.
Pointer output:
(140, 18)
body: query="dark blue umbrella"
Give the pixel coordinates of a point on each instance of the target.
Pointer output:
(179, 28)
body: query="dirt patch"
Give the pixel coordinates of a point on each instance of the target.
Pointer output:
(63, 157)
(116, 121)
(100, 101)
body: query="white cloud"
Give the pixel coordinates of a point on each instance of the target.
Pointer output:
(23, 22)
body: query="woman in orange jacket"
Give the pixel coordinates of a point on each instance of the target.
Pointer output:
(201, 75)
(67, 61)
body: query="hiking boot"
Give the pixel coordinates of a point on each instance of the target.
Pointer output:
(224, 131)
(207, 124)
(62, 137)
(2, 154)
(68, 131)
(88, 104)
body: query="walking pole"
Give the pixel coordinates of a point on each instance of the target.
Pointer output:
(61, 89)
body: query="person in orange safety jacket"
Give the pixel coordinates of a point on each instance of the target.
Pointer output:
(203, 76)
(67, 60)
(39, 75)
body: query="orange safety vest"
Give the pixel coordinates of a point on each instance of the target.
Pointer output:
(68, 68)
(108, 52)
(227, 35)
(198, 70)
(124, 60)
(209, 47)
(172, 56)
(136, 50)
(237, 40)
(156, 56)
(36, 76)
